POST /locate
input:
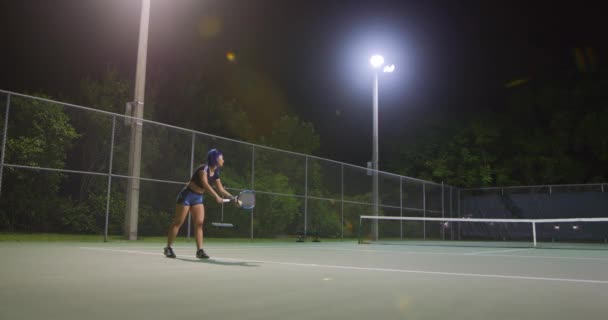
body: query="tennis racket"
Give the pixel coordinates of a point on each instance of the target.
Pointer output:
(245, 200)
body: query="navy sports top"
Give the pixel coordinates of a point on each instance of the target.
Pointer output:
(198, 181)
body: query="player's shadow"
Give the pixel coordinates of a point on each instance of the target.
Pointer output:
(221, 263)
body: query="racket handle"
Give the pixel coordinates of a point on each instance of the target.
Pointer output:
(226, 200)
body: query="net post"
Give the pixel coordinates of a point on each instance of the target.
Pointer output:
(105, 232)
(8, 103)
(534, 232)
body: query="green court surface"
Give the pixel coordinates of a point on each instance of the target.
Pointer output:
(284, 280)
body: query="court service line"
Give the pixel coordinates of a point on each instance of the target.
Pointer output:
(315, 265)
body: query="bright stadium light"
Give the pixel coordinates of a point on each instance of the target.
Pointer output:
(377, 61)
(390, 68)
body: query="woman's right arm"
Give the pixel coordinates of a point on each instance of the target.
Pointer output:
(208, 187)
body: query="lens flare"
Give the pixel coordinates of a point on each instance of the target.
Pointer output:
(209, 27)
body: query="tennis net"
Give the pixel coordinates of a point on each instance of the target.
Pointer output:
(580, 233)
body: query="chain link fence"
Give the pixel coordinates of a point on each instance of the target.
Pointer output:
(537, 202)
(64, 169)
(541, 202)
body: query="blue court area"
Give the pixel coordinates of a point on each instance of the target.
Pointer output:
(270, 280)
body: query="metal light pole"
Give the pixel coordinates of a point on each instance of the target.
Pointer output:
(377, 61)
(375, 157)
(131, 215)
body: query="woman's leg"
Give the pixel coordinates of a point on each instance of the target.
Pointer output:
(180, 215)
(198, 217)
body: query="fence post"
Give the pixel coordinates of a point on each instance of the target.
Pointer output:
(424, 210)
(305, 196)
(401, 204)
(451, 212)
(458, 209)
(442, 210)
(191, 170)
(442, 200)
(359, 231)
(8, 102)
(252, 183)
(342, 200)
(105, 234)
(458, 212)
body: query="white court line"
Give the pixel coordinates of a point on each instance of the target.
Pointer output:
(381, 251)
(479, 254)
(498, 251)
(468, 254)
(314, 265)
(541, 257)
(297, 248)
(118, 250)
(192, 246)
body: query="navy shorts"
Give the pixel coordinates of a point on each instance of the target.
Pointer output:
(187, 197)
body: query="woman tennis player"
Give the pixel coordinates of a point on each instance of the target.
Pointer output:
(191, 199)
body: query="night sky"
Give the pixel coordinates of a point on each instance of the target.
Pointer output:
(453, 58)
